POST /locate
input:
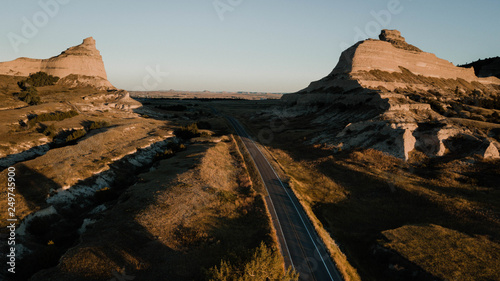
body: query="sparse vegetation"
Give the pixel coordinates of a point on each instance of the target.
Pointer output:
(94, 125)
(30, 96)
(38, 79)
(264, 264)
(50, 131)
(420, 243)
(187, 132)
(76, 134)
(54, 116)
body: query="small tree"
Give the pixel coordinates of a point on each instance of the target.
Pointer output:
(30, 96)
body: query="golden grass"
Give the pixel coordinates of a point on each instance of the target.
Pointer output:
(446, 253)
(301, 178)
(196, 209)
(457, 195)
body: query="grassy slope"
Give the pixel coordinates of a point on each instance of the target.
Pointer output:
(373, 193)
(193, 210)
(358, 195)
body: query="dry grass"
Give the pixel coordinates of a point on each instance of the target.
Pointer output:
(445, 86)
(446, 253)
(194, 210)
(382, 192)
(302, 177)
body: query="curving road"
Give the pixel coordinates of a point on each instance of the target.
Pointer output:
(299, 243)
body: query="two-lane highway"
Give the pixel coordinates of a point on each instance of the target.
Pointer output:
(299, 243)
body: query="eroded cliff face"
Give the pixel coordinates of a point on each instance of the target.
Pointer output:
(413, 98)
(83, 60)
(371, 63)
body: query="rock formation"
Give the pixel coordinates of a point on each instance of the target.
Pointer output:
(389, 95)
(83, 60)
(394, 37)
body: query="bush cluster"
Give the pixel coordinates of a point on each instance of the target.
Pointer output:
(50, 131)
(172, 149)
(76, 135)
(30, 96)
(476, 99)
(38, 79)
(98, 124)
(187, 132)
(265, 264)
(53, 116)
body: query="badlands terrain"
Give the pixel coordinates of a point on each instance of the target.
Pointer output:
(394, 157)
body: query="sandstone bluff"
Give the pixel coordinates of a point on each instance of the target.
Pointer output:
(77, 66)
(391, 96)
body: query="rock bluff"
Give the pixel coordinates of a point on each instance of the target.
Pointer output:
(83, 60)
(391, 54)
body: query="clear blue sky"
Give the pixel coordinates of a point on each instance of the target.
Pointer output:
(259, 45)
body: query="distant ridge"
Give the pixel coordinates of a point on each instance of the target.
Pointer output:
(485, 67)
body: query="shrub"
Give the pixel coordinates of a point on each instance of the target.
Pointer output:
(98, 125)
(265, 264)
(187, 132)
(38, 79)
(76, 135)
(53, 116)
(30, 96)
(226, 196)
(50, 131)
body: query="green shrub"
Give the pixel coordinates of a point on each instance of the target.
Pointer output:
(76, 135)
(50, 131)
(175, 147)
(226, 196)
(30, 96)
(98, 125)
(53, 116)
(187, 132)
(38, 79)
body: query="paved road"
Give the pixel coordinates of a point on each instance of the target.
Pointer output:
(300, 245)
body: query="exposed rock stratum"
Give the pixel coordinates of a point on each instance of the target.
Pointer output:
(391, 96)
(76, 64)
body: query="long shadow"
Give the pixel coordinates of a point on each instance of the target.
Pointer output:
(116, 245)
(49, 236)
(119, 241)
(31, 187)
(26, 155)
(37, 151)
(356, 223)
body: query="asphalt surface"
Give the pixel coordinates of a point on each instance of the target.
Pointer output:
(300, 245)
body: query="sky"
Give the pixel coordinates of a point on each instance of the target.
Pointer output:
(240, 45)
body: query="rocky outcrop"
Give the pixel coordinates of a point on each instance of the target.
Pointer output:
(394, 37)
(83, 60)
(372, 92)
(392, 63)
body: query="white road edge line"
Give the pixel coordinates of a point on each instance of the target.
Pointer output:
(298, 212)
(270, 199)
(295, 206)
